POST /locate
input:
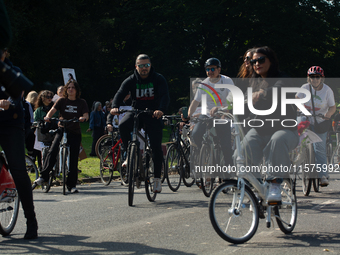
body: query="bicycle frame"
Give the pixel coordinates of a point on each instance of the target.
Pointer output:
(115, 159)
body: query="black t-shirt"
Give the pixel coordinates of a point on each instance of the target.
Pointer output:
(70, 109)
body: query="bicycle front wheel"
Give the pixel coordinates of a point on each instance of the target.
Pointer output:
(307, 172)
(234, 222)
(173, 168)
(132, 169)
(31, 167)
(188, 178)
(9, 211)
(287, 211)
(149, 177)
(65, 168)
(106, 166)
(207, 182)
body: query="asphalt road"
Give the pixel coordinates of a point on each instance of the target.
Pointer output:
(98, 220)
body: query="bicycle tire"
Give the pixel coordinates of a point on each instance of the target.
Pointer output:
(149, 177)
(106, 166)
(173, 168)
(287, 211)
(233, 226)
(31, 167)
(207, 183)
(329, 148)
(188, 180)
(306, 178)
(104, 142)
(132, 169)
(316, 184)
(64, 168)
(9, 215)
(124, 175)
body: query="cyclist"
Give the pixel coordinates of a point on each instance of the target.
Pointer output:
(149, 90)
(271, 140)
(70, 106)
(213, 70)
(324, 103)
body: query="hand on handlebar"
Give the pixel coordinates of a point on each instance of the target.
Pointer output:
(82, 119)
(4, 104)
(109, 128)
(114, 111)
(158, 114)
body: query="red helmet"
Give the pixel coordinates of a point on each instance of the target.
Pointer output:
(315, 70)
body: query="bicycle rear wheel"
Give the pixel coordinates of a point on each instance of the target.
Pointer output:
(9, 213)
(132, 169)
(287, 211)
(106, 165)
(149, 177)
(232, 224)
(173, 168)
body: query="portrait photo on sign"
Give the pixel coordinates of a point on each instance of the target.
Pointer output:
(68, 74)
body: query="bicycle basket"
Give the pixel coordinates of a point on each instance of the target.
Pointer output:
(45, 138)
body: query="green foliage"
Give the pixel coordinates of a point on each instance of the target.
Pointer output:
(100, 39)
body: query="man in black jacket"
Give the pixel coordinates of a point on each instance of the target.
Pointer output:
(149, 90)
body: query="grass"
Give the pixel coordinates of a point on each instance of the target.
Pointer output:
(90, 166)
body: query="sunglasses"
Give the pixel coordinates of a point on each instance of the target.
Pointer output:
(247, 58)
(315, 77)
(48, 97)
(261, 60)
(144, 65)
(212, 69)
(71, 87)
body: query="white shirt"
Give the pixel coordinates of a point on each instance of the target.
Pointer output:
(222, 92)
(323, 100)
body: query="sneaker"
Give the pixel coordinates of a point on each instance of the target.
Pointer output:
(39, 181)
(324, 181)
(274, 194)
(157, 185)
(124, 163)
(73, 190)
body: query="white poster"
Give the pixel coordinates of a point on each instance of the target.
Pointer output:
(68, 74)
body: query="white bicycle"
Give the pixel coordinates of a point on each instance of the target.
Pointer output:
(236, 206)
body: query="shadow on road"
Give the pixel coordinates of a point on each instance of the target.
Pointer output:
(70, 244)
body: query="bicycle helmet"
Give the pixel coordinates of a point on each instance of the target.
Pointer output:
(212, 62)
(315, 70)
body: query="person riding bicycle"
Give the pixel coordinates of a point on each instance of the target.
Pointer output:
(323, 103)
(149, 90)
(71, 106)
(213, 70)
(271, 140)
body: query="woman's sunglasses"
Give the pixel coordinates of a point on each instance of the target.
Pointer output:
(48, 97)
(261, 60)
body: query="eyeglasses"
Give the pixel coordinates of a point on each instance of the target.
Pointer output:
(315, 77)
(48, 97)
(247, 58)
(144, 65)
(261, 60)
(212, 69)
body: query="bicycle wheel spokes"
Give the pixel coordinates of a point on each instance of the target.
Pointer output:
(8, 214)
(173, 164)
(288, 210)
(106, 166)
(207, 181)
(104, 142)
(31, 167)
(232, 224)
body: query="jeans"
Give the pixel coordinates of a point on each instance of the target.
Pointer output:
(274, 148)
(12, 141)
